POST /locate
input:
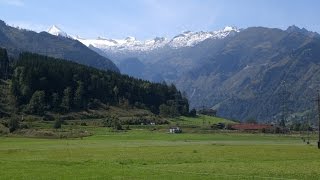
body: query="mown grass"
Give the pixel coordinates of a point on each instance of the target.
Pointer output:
(144, 154)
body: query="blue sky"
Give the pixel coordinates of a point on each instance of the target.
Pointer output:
(150, 18)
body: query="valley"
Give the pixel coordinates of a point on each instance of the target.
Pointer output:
(159, 89)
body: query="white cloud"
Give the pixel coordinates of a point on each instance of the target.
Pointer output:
(18, 3)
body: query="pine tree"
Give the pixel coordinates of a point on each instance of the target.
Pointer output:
(67, 99)
(78, 96)
(55, 102)
(37, 103)
(4, 64)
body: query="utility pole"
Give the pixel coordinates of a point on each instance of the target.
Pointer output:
(308, 126)
(203, 115)
(318, 101)
(284, 96)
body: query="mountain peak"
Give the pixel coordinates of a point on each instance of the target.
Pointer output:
(130, 39)
(230, 28)
(296, 29)
(56, 31)
(293, 28)
(101, 38)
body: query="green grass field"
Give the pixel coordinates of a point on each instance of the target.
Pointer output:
(145, 154)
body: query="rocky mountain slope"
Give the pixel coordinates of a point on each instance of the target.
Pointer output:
(19, 40)
(261, 73)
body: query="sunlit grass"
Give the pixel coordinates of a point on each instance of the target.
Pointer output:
(144, 154)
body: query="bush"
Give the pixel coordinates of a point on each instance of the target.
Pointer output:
(229, 126)
(57, 124)
(48, 117)
(24, 126)
(13, 124)
(83, 124)
(94, 104)
(112, 121)
(218, 126)
(193, 113)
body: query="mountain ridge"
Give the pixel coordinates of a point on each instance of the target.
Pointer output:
(20, 40)
(238, 75)
(185, 39)
(241, 75)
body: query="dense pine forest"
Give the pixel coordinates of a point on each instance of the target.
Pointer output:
(41, 84)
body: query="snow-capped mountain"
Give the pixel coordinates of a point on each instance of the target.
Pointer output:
(186, 39)
(190, 38)
(55, 30)
(129, 43)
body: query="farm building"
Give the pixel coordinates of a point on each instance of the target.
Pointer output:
(175, 130)
(252, 127)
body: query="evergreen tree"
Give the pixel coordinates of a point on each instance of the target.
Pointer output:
(78, 96)
(57, 123)
(67, 99)
(37, 103)
(193, 112)
(164, 110)
(13, 124)
(4, 64)
(55, 101)
(70, 86)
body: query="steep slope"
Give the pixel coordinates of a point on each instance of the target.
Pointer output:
(17, 40)
(243, 75)
(248, 76)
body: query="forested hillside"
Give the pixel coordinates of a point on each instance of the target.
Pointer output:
(19, 40)
(40, 84)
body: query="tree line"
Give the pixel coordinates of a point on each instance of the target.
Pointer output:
(40, 83)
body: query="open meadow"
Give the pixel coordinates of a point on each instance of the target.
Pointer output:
(147, 154)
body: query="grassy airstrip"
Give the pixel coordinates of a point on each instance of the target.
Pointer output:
(156, 154)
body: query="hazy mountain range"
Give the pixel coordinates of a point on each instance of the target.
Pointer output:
(244, 73)
(256, 72)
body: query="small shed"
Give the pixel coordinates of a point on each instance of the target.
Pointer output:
(174, 130)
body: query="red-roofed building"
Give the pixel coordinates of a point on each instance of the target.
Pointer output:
(252, 127)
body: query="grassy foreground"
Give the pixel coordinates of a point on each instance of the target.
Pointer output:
(144, 154)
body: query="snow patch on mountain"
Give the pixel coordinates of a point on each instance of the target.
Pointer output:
(129, 43)
(185, 39)
(56, 31)
(190, 38)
